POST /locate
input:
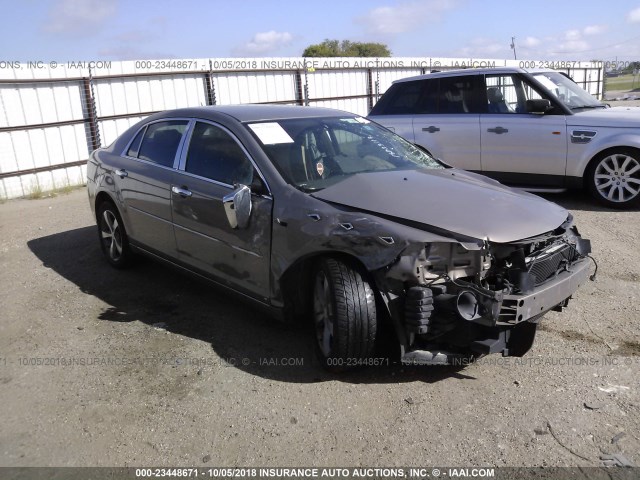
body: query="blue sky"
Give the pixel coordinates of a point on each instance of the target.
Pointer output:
(143, 29)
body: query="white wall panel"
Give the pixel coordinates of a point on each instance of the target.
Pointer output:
(31, 108)
(112, 129)
(54, 145)
(336, 84)
(237, 88)
(39, 103)
(74, 143)
(39, 150)
(12, 187)
(12, 105)
(8, 159)
(22, 149)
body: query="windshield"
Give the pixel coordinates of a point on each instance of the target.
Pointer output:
(567, 91)
(314, 153)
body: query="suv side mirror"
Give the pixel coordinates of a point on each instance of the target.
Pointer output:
(539, 106)
(237, 206)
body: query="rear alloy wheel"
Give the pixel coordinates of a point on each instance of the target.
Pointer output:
(614, 178)
(344, 310)
(113, 236)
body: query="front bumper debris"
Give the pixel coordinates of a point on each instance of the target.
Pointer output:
(520, 308)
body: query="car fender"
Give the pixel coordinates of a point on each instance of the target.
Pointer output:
(579, 160)
(101, 182)
(325, 229)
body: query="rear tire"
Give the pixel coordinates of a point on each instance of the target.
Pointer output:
(344, 312)
(613, 178)
(112, 235)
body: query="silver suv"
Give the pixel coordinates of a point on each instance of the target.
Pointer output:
(535, 129)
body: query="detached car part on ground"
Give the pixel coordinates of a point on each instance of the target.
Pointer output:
(535, 129)
(320, 214)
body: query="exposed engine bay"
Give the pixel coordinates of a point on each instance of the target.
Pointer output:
(466, 299)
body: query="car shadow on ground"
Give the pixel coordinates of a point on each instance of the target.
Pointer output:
(244, 336)
(580, 200)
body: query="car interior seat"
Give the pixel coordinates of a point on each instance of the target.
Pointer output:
(454, 101)
(496, 101)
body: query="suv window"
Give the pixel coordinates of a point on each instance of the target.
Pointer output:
(508, 94)
(215, 155)
(160, 142)
(410, 97)
(456, 94)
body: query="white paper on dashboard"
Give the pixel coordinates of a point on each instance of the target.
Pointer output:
(271, 133)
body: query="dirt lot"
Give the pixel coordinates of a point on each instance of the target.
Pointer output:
(126, 368)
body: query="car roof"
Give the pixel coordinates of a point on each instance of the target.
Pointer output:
(254, 113)
(470, 71)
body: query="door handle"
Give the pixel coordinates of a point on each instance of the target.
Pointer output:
(184, 192)
(121, 173)
(498, 130)
(431, 129)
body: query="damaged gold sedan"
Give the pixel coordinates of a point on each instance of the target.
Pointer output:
(322, 215)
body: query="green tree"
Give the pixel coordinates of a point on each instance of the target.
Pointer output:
(346, 48)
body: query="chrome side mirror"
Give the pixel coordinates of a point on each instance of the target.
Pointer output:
(237, 206)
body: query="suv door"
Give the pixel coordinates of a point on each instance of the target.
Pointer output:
(448, 123)
(144, 182)
(212, 164)
(520, 147)
(441, 114)
(397, 107)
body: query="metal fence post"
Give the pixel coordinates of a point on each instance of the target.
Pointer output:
(210, 86)
(299, 93)
(91, 115)
(369, 89)
(306, 84)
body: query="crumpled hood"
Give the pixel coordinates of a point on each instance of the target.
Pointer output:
(624, 117)
(450, 199)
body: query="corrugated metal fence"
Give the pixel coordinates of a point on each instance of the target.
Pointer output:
(53, 115)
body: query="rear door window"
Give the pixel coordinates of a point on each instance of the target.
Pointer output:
(161, 141)
(459, 94)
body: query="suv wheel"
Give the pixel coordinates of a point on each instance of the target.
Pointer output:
(344, 309)
(614, 178)
(113, 236)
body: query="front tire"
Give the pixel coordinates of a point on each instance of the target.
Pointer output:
(613, 178)
(114, 241)
(344, 310)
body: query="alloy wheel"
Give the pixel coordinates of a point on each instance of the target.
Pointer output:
(617, 178)
(111, 235)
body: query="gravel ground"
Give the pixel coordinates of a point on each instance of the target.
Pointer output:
(100, 367)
